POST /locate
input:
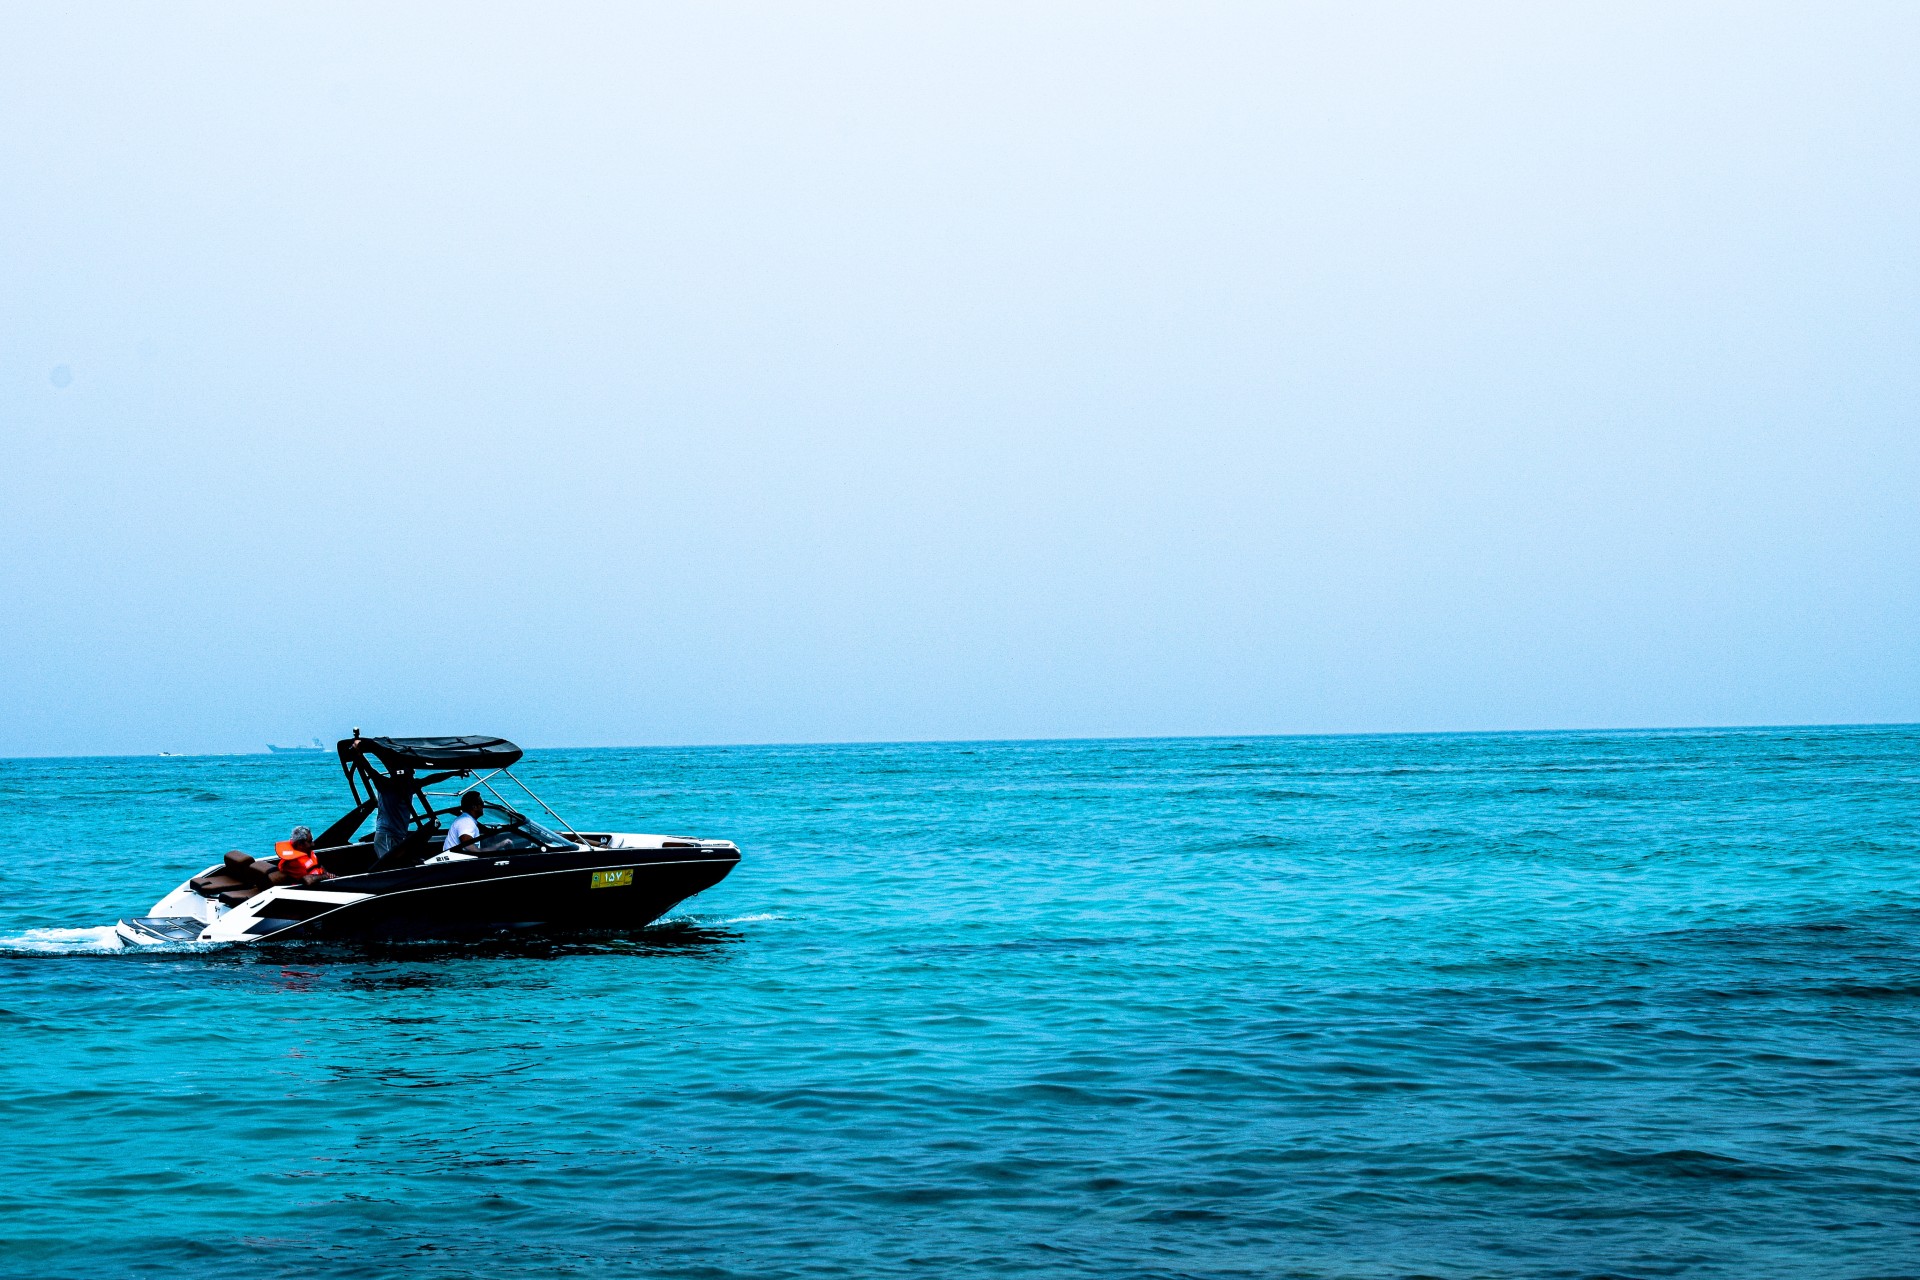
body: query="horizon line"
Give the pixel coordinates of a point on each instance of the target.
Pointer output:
(936, 742)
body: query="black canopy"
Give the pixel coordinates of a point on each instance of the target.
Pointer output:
(470, 752)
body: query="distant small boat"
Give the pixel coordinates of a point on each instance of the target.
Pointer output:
(315, 747)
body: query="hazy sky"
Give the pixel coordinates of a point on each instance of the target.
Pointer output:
(721, 372)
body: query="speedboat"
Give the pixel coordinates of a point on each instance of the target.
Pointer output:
(519, 874)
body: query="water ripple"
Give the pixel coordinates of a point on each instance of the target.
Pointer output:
(1574, 1005)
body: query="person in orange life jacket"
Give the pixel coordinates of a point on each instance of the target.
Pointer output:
(466, 828)
(297, 860)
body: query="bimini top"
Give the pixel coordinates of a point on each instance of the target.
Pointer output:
(470, 752)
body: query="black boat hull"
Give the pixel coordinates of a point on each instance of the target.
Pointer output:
(623, 889)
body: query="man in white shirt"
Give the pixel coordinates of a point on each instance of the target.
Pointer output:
(466, 827)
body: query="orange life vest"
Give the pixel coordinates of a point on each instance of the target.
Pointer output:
(295, 863)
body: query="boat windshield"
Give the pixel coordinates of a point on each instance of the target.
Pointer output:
(544, 836)
(497, 821)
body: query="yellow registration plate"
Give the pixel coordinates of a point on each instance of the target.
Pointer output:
(612, 879)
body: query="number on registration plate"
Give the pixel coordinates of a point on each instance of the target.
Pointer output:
(612, 879)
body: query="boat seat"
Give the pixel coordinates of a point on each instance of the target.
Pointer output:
(239, 871)
(244, 868)
(214, 884)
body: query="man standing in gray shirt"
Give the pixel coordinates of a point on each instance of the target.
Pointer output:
(393, 795)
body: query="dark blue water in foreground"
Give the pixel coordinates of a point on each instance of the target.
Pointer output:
(1624, 1004)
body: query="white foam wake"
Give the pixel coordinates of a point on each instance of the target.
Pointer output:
(55, 942)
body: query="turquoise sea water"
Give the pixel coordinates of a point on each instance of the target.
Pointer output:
(1584, 1004)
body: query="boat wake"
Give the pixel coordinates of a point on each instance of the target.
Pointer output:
(99, 940)
(62, 942)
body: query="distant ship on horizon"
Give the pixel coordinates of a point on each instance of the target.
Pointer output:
(315, 747)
